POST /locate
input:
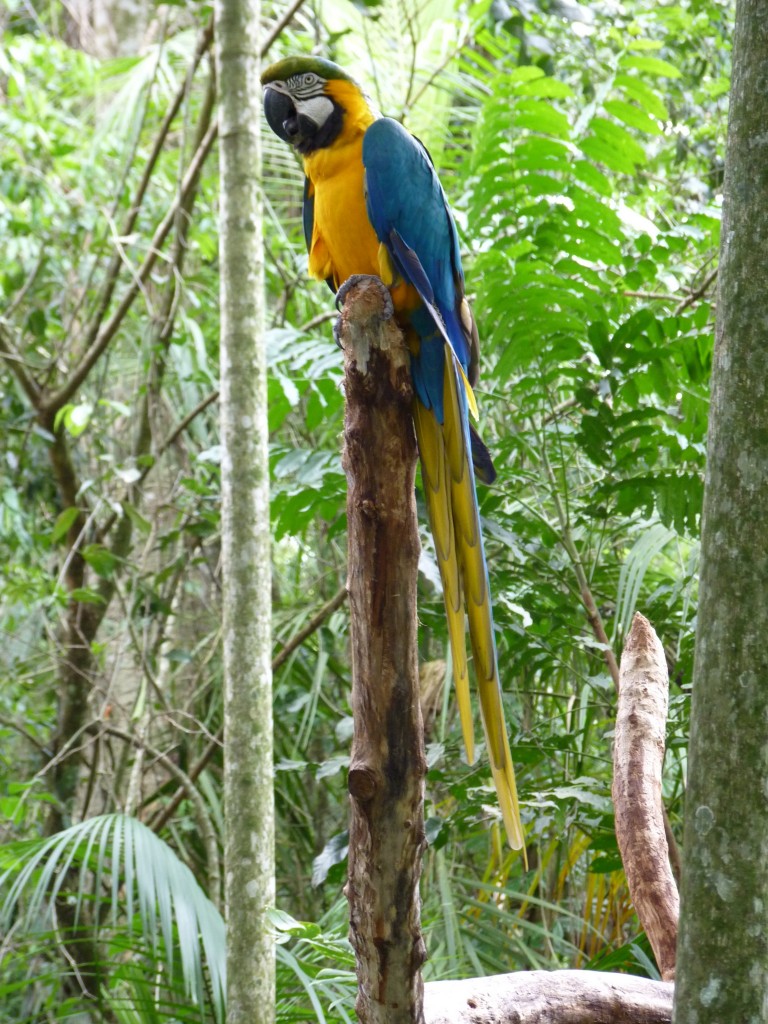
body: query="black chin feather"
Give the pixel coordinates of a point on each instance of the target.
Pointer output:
(297, 129)
(311, 137)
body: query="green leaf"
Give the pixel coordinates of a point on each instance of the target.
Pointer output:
(332, 766)
(524, 73)
(36, 323)
(283, 922)
(100, 559)
(632, 327)
(63, 522)
(651, 66)
(60, 414)
(614, 146)
(586, 171)
(75, 418)
(142, 525)
(545, 88)
(537, 153)
(334, 852)
(650, 543)
(540, 117)
(605, 865)
(632, 116)
(646, 97)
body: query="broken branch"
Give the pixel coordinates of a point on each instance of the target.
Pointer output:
(637, 761)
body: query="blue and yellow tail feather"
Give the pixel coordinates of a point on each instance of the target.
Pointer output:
(449, 488)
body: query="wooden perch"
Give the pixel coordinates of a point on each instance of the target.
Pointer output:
(637, 761)
(388, 766)
(549, 997)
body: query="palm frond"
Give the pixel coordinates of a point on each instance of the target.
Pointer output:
(123, 867)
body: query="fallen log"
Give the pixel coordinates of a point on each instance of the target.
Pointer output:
(549, 997)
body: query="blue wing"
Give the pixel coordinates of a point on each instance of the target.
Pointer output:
(410, 215)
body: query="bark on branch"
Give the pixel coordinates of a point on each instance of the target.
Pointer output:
(386, 776)
(637, 761)
(544, 997)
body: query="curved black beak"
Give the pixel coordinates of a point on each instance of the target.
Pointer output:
(282, 116)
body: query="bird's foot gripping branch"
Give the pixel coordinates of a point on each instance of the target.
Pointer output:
(387, 308)
(381, 307)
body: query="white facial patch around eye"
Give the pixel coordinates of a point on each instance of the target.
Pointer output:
(317, 109)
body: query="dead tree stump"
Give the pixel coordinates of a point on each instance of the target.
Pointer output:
(387, 769)
(638, 757)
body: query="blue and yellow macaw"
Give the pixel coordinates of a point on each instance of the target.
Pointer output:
(373, 205)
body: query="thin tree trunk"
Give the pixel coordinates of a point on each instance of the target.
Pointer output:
(386, 775)
(722, 972)
(248, 759)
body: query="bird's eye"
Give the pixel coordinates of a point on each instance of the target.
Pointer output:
(310, 78)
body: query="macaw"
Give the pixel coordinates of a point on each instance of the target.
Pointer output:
(373, 205)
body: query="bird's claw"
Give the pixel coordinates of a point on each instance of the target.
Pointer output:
(341, 294)
(347, 286)
(337, 333)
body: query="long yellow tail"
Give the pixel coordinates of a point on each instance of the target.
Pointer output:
(449, 488)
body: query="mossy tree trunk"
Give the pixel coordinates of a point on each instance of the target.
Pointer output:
(248, 776)
(722, 972)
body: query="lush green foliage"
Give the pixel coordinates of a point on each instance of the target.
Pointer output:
(581, 150)
(145, 881)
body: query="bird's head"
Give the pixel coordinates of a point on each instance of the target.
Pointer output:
(304, 101)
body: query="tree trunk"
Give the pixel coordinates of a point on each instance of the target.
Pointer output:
(107, 28)
(248, 759)
(386, 775)
(722, 972)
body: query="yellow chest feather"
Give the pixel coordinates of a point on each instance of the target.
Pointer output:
(343, 241)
